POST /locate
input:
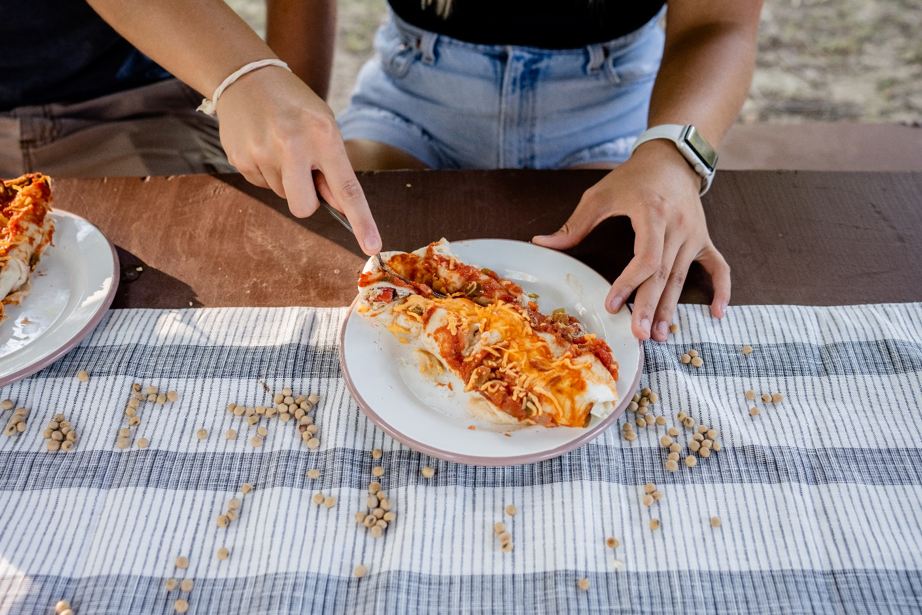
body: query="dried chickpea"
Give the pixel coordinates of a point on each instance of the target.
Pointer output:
(171, 584)
(221, 521)
(231, 515)
(693, 353)
(630, 436)
(374, 487)
(649, 419)
(376, 532)
(161, 399)
(766, 397)
(689, 422)
(313, 443)
(661, 420)
(172, 396)
(83, 376)
(649, 488)
(329, 502)
(507, 546)
(181, 606)
(753, 411)
(747, 349)
(711, 434)
(691, 461)
(612, 543)
(223, 553)
(6, 404)
(583, 584)
(654, 398)
(716, 446)
(390, 516)
(262, 431)
(511, 510)
(777, 398)
(231, 434)
(673, 456)
(134, 421)
(202, 433)
(182, 562)
(715, 521)
(750, 394)
(377, 471)
(360, 571)
(499, 527)
(252, 420)
(186, 585)
(377, 453)
(685, 358)
(124, 432)
(673, 328)
(673, 431)
(665, 441)
(256, 441)
(313, 473)
(698, 438)
(675, 447)
(681, 416)
(318, 498)
(313, 399)
(143, 443)
(647, 500)
(152, 390)
(697, 362)
(121, 443)
(654, 524)
(234, 504)
(67, 445)
(657, 495)
(702, 429)
(61, 606)
(672, 465)
(705, 452)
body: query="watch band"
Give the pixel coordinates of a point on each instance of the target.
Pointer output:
(676, 133)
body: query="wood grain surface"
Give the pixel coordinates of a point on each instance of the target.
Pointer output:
(809, 238)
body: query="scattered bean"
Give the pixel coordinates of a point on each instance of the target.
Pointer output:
(329, 502)
(181, 606)
(671, 465)
(313, 443)
(715, 521)
(61, 606)
(654, 524)
(318, 498)
(256, 441)
(499, 527)
(202, 433)
(697, 362)
(612, 543)
(377, 471)
(171, 584)
(182, 562)
(674, 432)
(223, 553)
(143, 443)
(777, 397)
(583, 584)
(685, 358)
(186, 585)
(360, 571)
(750, 395)
(766, 397)
(753, 411)
(511, 510)
(313, 473)
(83, 376)
(263, 432)
(691, 461)
(428, 472)
(231, 434)
(747, 349)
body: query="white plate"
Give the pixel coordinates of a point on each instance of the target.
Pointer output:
(72, 288)
(383, 377)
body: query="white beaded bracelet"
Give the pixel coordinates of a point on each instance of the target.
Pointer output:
(208, 106)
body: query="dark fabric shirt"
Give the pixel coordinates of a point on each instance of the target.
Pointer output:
(550, 24)
(62, 51)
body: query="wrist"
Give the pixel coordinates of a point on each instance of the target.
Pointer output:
(662, 154)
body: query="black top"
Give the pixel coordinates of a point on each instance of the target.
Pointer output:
(52, 51)
(550, 24)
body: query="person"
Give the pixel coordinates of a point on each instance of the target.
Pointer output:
(77, 100)
(280, 134)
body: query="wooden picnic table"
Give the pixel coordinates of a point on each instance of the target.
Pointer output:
(809, 238)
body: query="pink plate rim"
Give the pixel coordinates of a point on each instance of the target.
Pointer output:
(591, 434)
(79, 336)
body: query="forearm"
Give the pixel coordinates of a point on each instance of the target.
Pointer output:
(302, 33)
(200, 41)
(704, 77)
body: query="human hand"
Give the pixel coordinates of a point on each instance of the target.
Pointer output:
(280, 135)
(658, 190)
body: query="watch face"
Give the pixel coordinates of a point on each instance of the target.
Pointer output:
(701, 147)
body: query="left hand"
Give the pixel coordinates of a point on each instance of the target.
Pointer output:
(658, 190)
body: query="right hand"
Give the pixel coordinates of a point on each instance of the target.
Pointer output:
(280, 135)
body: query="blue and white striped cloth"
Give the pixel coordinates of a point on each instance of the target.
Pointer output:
(820, 495)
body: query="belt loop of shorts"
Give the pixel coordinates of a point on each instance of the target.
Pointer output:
(426, 46)
(596, 55)
(421, 40)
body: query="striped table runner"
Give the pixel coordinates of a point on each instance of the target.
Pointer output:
(820, 496)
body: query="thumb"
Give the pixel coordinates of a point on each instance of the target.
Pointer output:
(571, 233)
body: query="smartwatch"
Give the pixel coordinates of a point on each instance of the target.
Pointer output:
(696, 150)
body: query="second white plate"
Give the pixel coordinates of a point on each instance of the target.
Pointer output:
(72, 287)
(383, 377)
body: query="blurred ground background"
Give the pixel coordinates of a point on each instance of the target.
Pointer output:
(818, 60)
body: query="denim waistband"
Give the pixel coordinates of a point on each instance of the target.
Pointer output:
(427, 42)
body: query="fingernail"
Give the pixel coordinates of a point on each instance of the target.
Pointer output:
(645, 325)
(662, 328)
(616, 303)
(373, 243)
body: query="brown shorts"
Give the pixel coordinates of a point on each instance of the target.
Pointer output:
(151, 130)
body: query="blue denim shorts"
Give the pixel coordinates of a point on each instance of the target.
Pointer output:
(452, 104)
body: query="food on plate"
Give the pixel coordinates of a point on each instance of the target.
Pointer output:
(528, 367)
(25, 231)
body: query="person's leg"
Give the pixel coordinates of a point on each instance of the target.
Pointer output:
(10, 149)
(152, 130)
(368, 155)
